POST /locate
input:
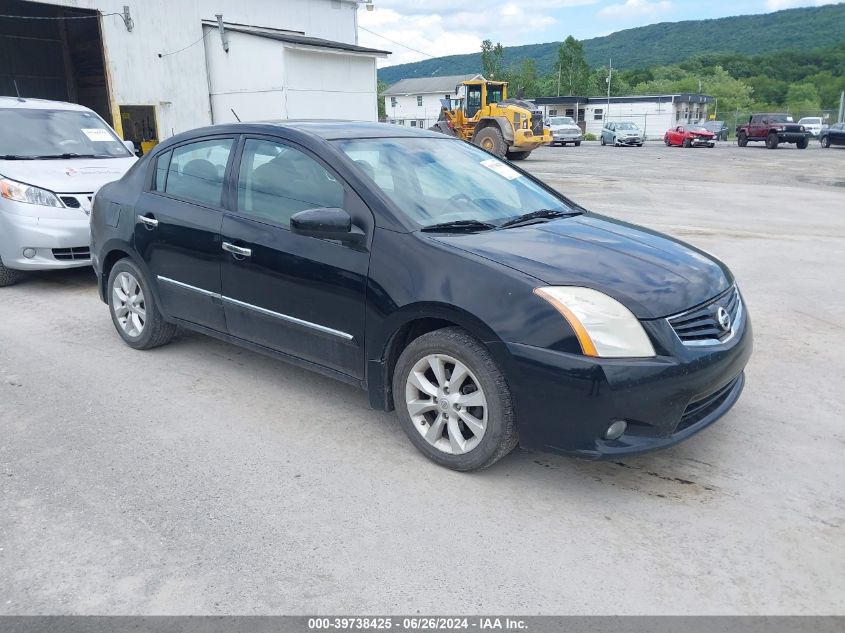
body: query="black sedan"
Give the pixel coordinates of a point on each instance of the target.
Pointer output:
(486, 308)
(833, 135)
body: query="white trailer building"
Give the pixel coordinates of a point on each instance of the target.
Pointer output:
(417, 102)
(654, 114)
(153, 68)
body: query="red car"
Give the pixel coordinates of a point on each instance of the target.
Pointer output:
(690, 135)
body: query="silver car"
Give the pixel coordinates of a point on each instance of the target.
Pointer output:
(564, 130)
(621, 133)
(53, 157)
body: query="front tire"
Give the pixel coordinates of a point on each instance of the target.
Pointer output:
(687, 143)
(772, 141)
(577, 143)
(802, 144)
(8, 276)
(825, 142)
(742, 139)
(491, 139)
(465, 425)
(133, 308)
(518, 155)
(603, 142)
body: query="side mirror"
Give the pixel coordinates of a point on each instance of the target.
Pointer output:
(327, 224)
(130, 146)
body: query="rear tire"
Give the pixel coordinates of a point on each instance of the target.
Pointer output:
(802, 144)
(603, 142)
(8, 276)
(825, 142)
(491, 139)
(133, 308)
(772, 141)
(491, 431)
(518, 155)
(742, 139)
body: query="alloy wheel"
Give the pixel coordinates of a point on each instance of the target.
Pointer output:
(446, 404)
(130, 308)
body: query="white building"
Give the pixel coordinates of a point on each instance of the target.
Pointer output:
(164, 66)
(416, 102)
(654, 114)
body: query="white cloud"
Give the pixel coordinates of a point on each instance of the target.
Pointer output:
(635, 8)
(453, 27)
(777, 5)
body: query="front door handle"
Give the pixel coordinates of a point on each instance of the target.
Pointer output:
(238, 251)
(150, 223)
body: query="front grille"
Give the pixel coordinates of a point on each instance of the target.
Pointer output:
(78, 201)
(793, 128)
(700, 326)
(71, 202)
(537, 123)
(79, 253)
(700, 408)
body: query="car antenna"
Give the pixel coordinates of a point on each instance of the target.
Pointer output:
(18, 92)
(236, 114)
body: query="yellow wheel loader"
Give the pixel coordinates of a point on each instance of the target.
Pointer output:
(485, 116)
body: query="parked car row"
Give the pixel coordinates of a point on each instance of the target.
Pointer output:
(542, 324)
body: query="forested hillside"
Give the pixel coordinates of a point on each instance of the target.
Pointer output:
(663, 44)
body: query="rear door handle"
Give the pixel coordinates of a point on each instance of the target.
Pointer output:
(150, 223)
(237, 251)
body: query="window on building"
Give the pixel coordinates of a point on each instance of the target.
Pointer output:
(598, 114)
(552, 112)
(420, 123)
(401, 121)
(419, 100)
(570, 112)
(277, 181)
(448, 97)
(196, 171)
(413, 124)
(392, 102)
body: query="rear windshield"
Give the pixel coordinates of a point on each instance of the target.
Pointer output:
(40, 133)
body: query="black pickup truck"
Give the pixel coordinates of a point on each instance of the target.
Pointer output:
(774, 129)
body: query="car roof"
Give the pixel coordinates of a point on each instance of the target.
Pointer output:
(39, 104)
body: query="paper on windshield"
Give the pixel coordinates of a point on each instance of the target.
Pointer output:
(97, 134)
(500, 168)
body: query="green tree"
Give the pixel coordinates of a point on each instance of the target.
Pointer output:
(491, 59)
(803, 98)
(573, 69)
(381, 86)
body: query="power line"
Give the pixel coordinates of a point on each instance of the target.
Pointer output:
(207, 33)
(395, 42)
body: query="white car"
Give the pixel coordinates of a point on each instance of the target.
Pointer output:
(564, 130)
(813, 124)
(53, 157)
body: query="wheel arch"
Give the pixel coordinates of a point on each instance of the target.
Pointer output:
(113, 253)
(499, 122)
(406, 325)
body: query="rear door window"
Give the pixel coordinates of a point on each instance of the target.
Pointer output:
(196, 171)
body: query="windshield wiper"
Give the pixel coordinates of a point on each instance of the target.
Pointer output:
(15, 157)
(64, 156)
(460, 225)
(540, 214)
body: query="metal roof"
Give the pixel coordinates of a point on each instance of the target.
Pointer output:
(302, 40)
(427, 85)
(677, 97)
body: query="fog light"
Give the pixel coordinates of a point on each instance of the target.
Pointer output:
(29, 253)
(615, 430)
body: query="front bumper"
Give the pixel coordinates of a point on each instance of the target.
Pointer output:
(526, 140)
(567, 137)
(629, 140)
(58, 242)
(793, 137)
(565, 402)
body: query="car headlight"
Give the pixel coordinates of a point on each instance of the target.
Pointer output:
(802, 128)
(604, 327)
(19, 192)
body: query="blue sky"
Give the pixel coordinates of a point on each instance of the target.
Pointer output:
(443, 27)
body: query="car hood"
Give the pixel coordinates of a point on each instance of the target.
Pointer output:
(565, 128)
(74, 175)
(652, 274)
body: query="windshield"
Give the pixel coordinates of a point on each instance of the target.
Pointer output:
(811, 121)
(433, 181)
(697, 128)
(780, 118)
(36, 133)
(626, 125)
(561, 120)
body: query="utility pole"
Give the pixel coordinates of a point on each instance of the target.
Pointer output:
(559, 68)
(609, 78)
(841, 107)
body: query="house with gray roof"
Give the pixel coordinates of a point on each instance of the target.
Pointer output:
(416, 102)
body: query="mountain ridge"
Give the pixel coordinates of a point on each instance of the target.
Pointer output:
(663, 43)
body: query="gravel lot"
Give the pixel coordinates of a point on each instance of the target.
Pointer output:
(202, 478)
